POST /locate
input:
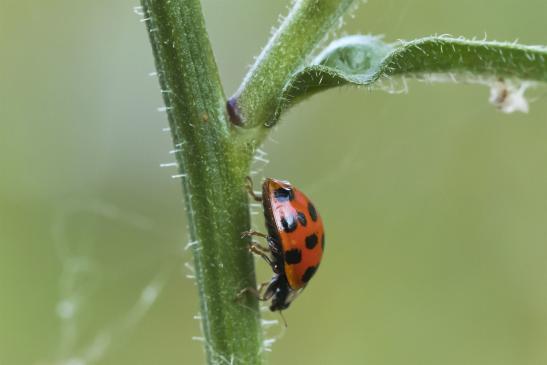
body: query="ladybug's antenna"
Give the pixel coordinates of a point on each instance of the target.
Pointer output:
(283, 318)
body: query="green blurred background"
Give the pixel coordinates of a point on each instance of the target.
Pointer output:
(435, 203)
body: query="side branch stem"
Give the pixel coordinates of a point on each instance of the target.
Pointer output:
(300, 32)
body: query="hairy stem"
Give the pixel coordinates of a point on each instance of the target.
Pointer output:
(304, 27)
(212, 168)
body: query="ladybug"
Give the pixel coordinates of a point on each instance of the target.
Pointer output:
(296, 241)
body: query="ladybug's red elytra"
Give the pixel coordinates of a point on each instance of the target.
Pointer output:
(296, 241)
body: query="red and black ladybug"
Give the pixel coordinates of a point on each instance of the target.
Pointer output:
(296, 241)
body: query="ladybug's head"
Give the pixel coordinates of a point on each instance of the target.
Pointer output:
(279, 300)
(282, 300)
(281, 293)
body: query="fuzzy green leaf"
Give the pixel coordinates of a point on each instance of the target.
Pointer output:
(364, 60)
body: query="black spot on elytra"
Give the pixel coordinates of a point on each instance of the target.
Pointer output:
(288, 226)
(323, 242)
(309, 273)
(311, 241)
(301, 218)
(282, 195)
(312, 211)
(293, 256)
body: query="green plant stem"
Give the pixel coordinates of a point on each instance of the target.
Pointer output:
(291, 45)
(213, 170)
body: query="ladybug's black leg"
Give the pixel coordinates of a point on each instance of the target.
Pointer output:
(263, 292)
(261, 251)
(251, 290)
(258, 249)
(249, 187)
(255, 246)
(253, 233)
(259, 293)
